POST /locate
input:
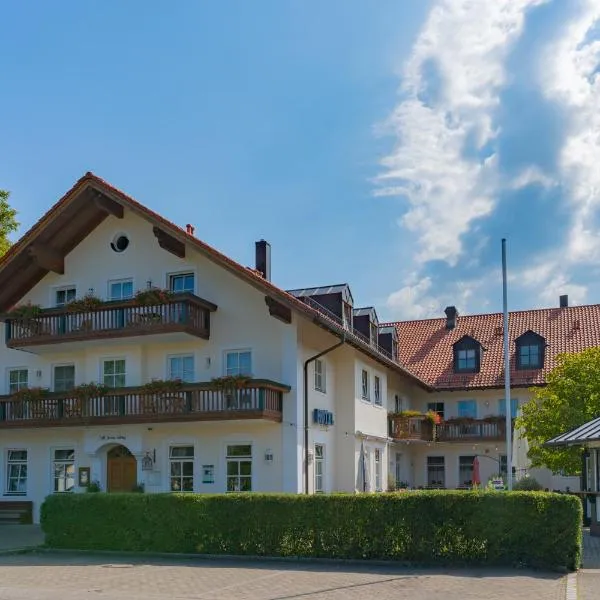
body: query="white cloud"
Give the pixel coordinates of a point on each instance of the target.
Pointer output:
(571, 77)
(531, 175)
(466, 43)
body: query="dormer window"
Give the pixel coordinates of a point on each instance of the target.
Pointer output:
(530, 351)
(467, 355)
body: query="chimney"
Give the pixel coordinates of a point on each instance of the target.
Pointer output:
(263, 259)
(451, 316)
(564, 301)
(190, 229)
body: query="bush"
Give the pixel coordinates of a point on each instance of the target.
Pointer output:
(432, 527)
(527, 484)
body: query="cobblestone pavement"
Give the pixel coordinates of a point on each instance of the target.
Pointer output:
(74, 577)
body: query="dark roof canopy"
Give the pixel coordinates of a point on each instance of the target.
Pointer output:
(588, 432)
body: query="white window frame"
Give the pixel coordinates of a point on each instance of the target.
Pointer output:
(8, 464)
(53, 374)
(111, 282)
(238, 351)
(170, 277)
(320, 376)
(171, 357)
(378, 458)
(59, 288)
(365, 385)
(9, 370)
(112, 359)
(377, 396)
(239, 460)
(181, 460)
(319, 489)
(54, 462)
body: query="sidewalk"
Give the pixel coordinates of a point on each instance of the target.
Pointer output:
(20, 537)
(589, 576)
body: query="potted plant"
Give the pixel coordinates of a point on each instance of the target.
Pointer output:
(93, 488)
(29, 403)
(25, 311)
(230, 386)
(88, 303)
(76, 405)
(160, 396)
(152, 296)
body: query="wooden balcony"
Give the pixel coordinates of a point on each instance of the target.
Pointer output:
(404, 428)
(260, 399)
(180, 314)
(469, 430)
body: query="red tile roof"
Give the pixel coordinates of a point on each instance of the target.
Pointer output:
(426, 346)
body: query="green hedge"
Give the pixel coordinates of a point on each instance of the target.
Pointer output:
(433, 527)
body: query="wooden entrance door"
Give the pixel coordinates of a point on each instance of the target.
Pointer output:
(121, 470)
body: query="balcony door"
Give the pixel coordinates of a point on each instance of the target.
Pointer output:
(121, 469)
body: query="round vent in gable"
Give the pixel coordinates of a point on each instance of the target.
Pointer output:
(120, 243)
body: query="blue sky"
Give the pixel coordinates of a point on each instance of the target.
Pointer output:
(387, 144)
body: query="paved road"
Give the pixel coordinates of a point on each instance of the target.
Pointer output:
(72, 577)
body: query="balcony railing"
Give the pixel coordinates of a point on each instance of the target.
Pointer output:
(181, 313)
(411, 428)
(260, 399)
(469, 430)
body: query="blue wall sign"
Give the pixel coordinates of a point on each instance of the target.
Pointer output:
(322, 417)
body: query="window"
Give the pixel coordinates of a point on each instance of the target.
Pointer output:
(436, 472)
(64, 296)
(348, 318)
(239, 468)
(120, 243)
(182, 468)
(64, 470)
(530, 350)
(467, 355)
(374, 336)
(436, 407)
(18, 379)
(467, 409)
(529, 357)
(181, 367)
(120, 290)
(64, 378)
(365, 385)
(377, 383)
(467, 360)
(113, 373)
(377, 470)
(320, 376)
(465, 470)
(16, 472)
(182, 282)
(514, 407)
(319, 468)
(238, 362)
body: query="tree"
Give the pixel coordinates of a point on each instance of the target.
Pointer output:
(8, 222)
(570, 399)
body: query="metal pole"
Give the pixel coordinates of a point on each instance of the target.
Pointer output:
(507, 373)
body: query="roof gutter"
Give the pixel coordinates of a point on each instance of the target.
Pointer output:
(306, 363)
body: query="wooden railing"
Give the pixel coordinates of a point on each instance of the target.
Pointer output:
(261, 399)
(411, 428)
(471, 430)
(183, 312)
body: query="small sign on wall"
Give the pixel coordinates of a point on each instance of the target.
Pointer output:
(322, 417)
(84, 476)
(208, 473)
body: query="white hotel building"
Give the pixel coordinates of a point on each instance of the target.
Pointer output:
(82, 303)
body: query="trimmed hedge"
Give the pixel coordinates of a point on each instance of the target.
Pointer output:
(531, 529)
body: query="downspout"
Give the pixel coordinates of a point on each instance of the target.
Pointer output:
(306, 363)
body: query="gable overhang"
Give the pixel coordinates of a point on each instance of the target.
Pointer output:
(86, 205)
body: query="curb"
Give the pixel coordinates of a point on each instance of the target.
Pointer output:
(571, 586)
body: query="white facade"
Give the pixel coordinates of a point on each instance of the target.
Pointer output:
(349, 447)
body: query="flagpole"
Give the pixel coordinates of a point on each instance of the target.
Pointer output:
(507, 372)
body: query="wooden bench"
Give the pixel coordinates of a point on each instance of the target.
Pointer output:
(16, 511)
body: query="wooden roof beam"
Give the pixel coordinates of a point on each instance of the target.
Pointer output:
(169, 243)
(47, 258)
(109, 206)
